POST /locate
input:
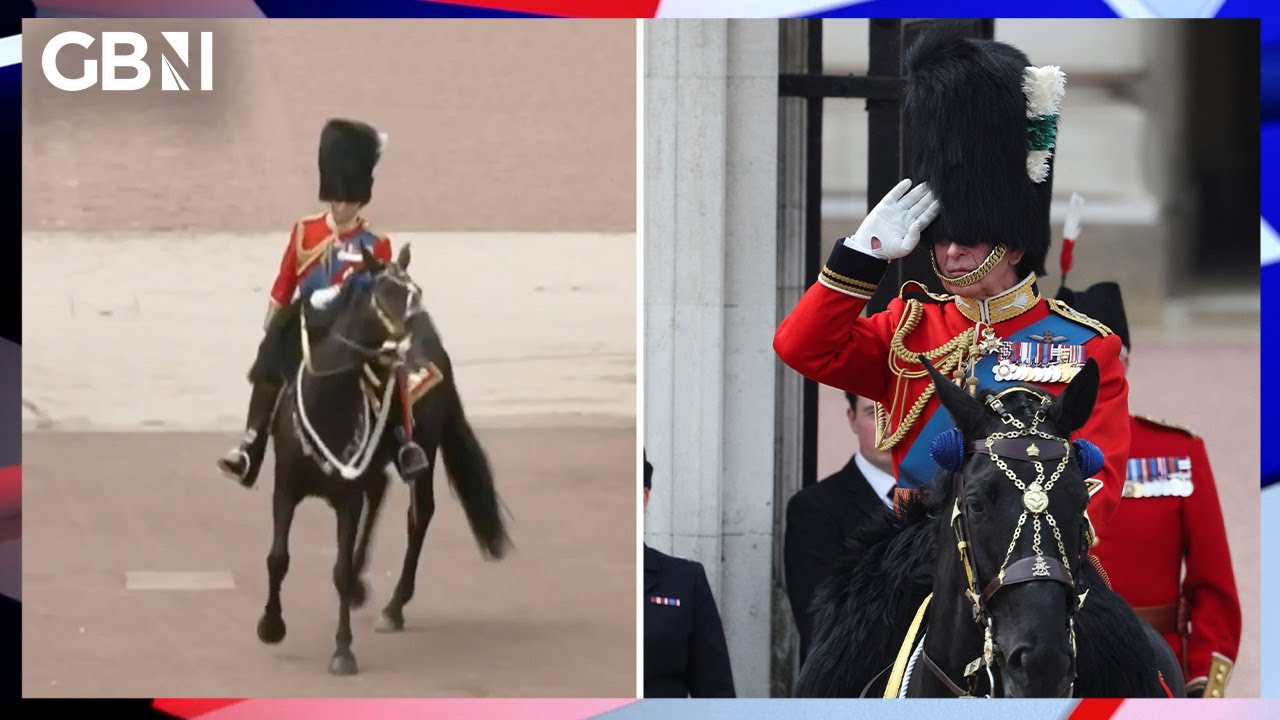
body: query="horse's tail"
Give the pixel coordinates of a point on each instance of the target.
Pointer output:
(469, 473)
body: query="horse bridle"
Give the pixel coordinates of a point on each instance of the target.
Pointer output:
(398, 329)
(393, 350)
(1033, 445)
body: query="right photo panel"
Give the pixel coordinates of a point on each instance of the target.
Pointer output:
(950, 357)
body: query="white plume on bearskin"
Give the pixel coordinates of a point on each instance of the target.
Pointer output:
(1044, 88)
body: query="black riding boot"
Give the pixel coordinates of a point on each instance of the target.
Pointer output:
(244, 461)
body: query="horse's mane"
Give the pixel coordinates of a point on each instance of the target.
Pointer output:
(863, 608)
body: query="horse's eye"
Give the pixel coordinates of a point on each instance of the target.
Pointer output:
(973, 505)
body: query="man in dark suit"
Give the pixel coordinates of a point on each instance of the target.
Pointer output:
(821, 516)
(685, 653)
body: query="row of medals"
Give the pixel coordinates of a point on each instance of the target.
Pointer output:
(1006, 371)
(1061, 371)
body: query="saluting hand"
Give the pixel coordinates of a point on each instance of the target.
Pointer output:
(892, 229)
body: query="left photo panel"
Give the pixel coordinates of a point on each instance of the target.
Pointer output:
(329, 358)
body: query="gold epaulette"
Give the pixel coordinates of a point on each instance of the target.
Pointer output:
(1076, 316)
(918, 291)
(1166, 424)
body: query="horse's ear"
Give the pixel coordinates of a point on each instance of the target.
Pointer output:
(369, 260)
(965, 410)
(402, 259)
(1071, 409)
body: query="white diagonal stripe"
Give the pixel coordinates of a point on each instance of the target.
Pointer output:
(10, 50)
(1270, 243)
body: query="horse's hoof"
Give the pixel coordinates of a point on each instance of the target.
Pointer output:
(390, 621)
(359, 594)
(343, 664)
(271, 629)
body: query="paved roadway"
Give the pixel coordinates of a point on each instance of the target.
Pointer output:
(554, 619)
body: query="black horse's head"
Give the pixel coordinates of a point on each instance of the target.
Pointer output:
(381, 300)
(1017, 495)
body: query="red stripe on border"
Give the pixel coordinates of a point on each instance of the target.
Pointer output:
(570, 8)
(1096, 709)
(191, 707)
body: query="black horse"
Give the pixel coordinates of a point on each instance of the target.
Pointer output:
(332, 436)
(983, 586)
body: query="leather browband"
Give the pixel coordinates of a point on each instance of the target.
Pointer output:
(1020, 448)
(1024, 571)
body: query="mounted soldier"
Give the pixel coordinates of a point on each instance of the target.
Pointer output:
(981, 124)
(321, 252)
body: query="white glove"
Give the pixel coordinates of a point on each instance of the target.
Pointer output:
(322, 297)
(892, 228)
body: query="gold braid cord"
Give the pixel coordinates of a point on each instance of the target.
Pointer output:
(905, 365)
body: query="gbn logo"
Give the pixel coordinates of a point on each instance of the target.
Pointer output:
(113, 60)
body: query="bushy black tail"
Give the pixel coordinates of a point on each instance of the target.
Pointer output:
(468, 469)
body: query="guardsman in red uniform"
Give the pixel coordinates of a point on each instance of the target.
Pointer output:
(322, 250)
(1170, 520)
(980, 121)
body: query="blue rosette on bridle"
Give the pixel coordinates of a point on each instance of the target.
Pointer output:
(1089, 457)
(948, 450)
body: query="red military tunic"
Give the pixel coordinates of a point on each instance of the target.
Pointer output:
(825, 339)
(10, 503)
(1169, 519)
(317, 256)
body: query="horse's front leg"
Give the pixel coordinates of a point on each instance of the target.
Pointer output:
(271, 627)
(375, 491)
(344, 580)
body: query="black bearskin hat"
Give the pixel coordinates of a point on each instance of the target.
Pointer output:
(969, 134)
(1102, 302)
(349, 150)
(648, 473)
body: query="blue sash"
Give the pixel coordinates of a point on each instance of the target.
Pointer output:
(917, 467)
(325, 272)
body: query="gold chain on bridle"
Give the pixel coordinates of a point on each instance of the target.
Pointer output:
(1035, 501)
(1035, 497)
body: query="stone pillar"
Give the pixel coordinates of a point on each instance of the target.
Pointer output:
(710, 265)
